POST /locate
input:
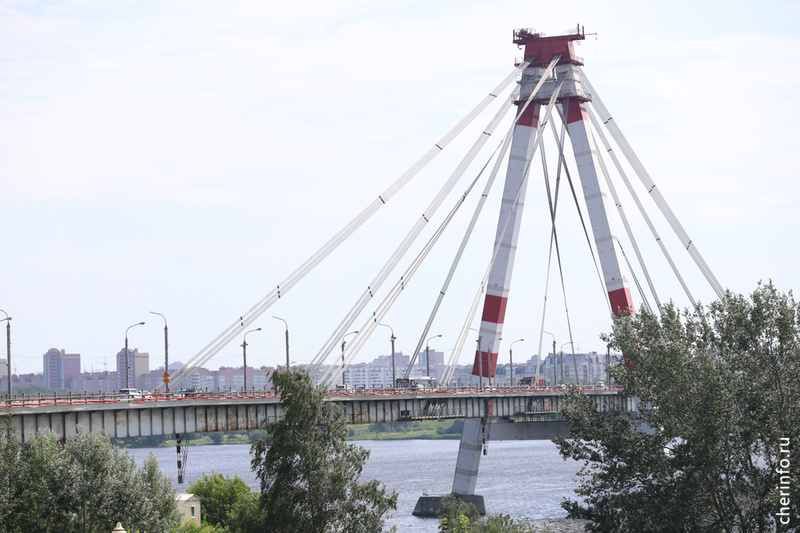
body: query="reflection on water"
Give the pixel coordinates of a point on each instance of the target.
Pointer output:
(517, 478)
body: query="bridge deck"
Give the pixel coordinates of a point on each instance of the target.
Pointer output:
(231, 412)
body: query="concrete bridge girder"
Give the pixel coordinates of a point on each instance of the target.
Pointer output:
(188, 415)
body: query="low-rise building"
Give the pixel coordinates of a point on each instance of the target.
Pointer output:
(189, 507)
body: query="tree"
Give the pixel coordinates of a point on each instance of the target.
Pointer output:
(456, 516)
(719, 413)
(86, 485)
(224, 498)
(309, 474)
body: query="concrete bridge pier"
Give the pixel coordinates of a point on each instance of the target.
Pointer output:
(473, 441)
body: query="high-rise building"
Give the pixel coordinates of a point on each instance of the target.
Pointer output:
(138, 365)
(61, 369)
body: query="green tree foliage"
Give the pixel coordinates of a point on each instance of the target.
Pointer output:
(456, 516)
(84, 486)
(456, 428)
(191, 527)
(151, 441)
(719, 391)
(390, 427)
(224, 499)
(309, 474)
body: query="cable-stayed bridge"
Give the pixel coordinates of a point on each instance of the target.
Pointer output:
(550, 127)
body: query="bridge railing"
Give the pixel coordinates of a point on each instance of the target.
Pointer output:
(51, 399)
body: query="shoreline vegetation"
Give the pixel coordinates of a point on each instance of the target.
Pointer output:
(423, 430)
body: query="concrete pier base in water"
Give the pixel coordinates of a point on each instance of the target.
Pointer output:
(428, 506)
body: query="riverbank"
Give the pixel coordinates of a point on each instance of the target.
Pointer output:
(417, 430)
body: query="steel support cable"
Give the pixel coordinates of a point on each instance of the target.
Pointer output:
(600, 279)
(409, 239)
(624, 218)
(642, 211)
(267, 301)
(332, 376)
(462, 336)
(448, 371)
(355, 347)
(414, 233)
(503, 149)
(635, 278)
(553, 207)
(648, 183)
(554, 241)
(456, 353)
(559, 139)
(459, 344)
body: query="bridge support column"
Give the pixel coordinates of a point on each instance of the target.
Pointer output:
(469, 456)
(473, 439)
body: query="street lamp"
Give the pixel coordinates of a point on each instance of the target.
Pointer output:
(287, 339)
(511, 363)
(343, 342)
(127, 358)
(427, 358)
(392, 339)
(489, 355)
(244, 354)
(7, 320)
(480, 359)
(166, 351)
(555, 375)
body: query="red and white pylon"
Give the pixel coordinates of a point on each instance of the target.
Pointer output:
(540, 51)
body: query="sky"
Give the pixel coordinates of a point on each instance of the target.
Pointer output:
(185, 157)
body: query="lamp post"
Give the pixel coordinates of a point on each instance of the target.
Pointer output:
(287, 339)
(489, 355)
(127, 358)
(166, 351)
(480, 359)
(244, 354)
(511, 363)
(555, 375)
(7, 320)
(427, 358)
(343, 343)
(392, 339)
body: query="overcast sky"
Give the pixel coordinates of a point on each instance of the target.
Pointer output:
(186, 157)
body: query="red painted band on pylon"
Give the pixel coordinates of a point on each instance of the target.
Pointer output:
(530, 116)
(489, 364)
(494, 309)
(621, 301)
(575, 111)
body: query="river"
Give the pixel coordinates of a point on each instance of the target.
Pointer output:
(517, 478)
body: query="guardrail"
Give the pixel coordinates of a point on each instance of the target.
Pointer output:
(40, 399)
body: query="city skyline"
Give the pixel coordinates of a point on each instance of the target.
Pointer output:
(375, 373)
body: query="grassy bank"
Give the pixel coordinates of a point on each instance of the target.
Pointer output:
(424, 429)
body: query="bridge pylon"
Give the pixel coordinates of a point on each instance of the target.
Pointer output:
(572, 98)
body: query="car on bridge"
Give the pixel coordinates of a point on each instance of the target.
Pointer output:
(133, 394)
